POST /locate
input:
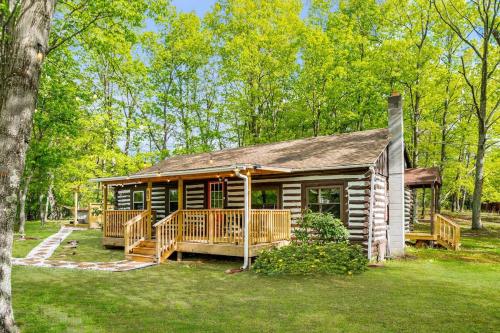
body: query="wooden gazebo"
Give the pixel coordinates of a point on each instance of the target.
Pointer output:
(442, 231)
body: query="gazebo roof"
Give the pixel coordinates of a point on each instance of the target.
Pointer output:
(422, 177)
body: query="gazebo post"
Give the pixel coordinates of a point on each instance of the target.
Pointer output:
(433, 205)
(104, 206)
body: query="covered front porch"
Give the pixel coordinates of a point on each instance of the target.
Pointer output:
(215, 229)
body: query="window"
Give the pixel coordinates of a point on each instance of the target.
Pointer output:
(216, 198)
(265, 199)
(324, 200)
(138, 200)
(173, 200)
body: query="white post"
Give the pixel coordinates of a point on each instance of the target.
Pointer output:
(246, 219)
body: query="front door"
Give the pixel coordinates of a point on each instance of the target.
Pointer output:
(215, 195)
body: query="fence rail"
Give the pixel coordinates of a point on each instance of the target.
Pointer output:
(115, 220)
(136, 230)
(447, 232)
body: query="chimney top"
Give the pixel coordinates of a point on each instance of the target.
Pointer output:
(395, 93)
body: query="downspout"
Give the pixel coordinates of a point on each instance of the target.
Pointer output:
(246, 218)
(370, 217)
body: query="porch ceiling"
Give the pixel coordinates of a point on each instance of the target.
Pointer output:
(193, 174)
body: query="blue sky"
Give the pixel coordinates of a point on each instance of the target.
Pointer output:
(200, 7)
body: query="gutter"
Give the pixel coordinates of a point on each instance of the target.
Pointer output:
(370, 217)
(246, 219)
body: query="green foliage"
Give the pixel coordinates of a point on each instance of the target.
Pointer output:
(312, 259)
(321, 228)
(127, 83)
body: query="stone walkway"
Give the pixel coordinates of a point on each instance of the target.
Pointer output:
(40, 255)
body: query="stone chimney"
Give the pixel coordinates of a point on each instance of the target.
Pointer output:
(396, 176)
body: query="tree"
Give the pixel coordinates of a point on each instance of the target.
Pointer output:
(476, 23)
(257, 51)
(24, 42)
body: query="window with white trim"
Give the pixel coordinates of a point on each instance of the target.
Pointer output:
(325, 200)
(138, 200)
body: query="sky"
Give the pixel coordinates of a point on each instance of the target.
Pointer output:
(200, 7)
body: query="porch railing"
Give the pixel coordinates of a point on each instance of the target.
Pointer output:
(167, 235)
(116, 219)
(224, 226)
(447, 232)
(136, 230)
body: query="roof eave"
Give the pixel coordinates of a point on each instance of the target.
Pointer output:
(192, 172)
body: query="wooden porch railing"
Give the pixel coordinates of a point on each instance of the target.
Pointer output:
(136, 230)
(220, 226)
(447, 232)
(226, 226)
(115, 220)
(167, 235)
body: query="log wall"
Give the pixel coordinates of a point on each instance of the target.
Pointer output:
(408, 209)
(195, 196)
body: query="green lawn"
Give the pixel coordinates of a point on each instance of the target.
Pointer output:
(34, 234)
(429, 291)
(89, 248)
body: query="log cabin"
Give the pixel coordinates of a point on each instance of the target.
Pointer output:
(239, 201)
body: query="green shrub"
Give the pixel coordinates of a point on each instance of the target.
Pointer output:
(321, 228)
(306, 258)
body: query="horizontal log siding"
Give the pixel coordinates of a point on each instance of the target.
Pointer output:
(159, 201)
(292, 200)
(195, 196)
(122, 198)
(235, 194)
(358, 205)
(379, 225)
(408, 209)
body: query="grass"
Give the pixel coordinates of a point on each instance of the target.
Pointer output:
(430, 290)
(35, 234)
(89, 248)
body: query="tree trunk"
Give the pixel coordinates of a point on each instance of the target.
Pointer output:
(20, 59)
(478, 181)
(481, 142)
(49, 198)
(22, 204)
(41, 209)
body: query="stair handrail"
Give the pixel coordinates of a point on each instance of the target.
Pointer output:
(135, 230)
(447, 231)
(167, 234)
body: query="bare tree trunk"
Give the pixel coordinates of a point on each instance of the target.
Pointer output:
(24, 42)
(22, 204)
(41, 209)
(49, 198)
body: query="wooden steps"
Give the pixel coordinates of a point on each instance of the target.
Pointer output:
(144, 252)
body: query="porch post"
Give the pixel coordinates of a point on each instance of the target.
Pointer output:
(104, 206)
(149, 208)
(180, 204)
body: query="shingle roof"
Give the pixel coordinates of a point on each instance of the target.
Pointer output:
(417, 177)
(323, 152)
